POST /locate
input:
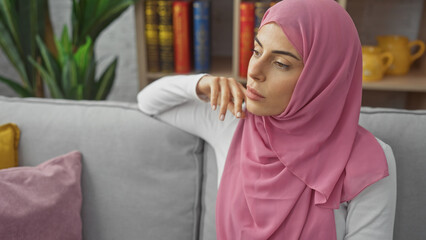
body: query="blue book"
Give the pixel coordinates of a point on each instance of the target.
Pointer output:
(201, 11)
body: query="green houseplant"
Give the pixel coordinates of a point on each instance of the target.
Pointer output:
(20, 22)
(68, 67)
(71, 74)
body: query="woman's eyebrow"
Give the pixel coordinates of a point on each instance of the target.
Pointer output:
(278, 51)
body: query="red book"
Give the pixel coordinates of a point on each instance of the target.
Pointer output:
(182, 36)
(246, 35)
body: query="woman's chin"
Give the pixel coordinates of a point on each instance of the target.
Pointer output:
(256, 110)
(259, 110)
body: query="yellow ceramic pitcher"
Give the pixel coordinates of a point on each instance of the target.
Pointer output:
(375, 61)
(400, 47)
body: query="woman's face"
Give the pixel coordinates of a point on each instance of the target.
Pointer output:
(272, 73)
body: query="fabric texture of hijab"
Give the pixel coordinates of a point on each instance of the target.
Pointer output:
(285, 174)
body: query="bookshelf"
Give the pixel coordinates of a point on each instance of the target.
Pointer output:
(413, 82)
(220, 65)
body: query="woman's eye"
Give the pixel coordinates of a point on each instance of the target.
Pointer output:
(281, 65)
(255, 53)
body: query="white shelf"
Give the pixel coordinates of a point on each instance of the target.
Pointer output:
(415, 81)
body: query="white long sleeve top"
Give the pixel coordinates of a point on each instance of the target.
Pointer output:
(173, 100)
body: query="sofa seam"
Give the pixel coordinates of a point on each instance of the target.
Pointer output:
(394, 112)
(86, 104)
(198, 184)
(97, 104)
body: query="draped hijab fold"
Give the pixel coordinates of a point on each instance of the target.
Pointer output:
(285, 174)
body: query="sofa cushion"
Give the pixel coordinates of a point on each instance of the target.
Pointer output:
(42, 202)
(9, 141)
(405, 132)
(141, 178)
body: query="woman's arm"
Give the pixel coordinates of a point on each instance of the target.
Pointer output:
(168, 92)
(165, 93)
(174, 100)
(371, 214)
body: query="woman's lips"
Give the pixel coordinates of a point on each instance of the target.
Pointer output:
(253, 94)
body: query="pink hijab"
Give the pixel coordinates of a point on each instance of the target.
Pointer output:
(285, 174)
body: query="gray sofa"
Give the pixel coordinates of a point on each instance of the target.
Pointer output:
(143, 179)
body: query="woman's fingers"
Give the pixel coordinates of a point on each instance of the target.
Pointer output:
(225, 97)
(243, 91)
(237, 98)
(214, 92)
(228, 94)
(231, 107)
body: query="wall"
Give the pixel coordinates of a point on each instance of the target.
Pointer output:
(221, 27)
(383, 17)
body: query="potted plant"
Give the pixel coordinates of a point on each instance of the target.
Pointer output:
(66, 65)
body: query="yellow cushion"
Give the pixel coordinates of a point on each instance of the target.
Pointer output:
(9, 140)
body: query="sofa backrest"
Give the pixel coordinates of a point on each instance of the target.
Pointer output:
(141, 178)
(405, 132)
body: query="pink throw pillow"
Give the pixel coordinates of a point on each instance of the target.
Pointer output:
(42, 202)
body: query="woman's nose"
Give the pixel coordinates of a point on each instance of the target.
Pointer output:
(255, 69)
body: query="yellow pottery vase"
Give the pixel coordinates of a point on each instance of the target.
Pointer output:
(375, 62)
(400, 47)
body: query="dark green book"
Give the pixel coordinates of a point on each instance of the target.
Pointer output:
(151, 35)
(260, 8)
(165, 31)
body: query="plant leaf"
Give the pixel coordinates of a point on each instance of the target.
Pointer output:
(76, 18)
(80, 92)
(73, 78)
(49, 61)
(29, 18)
(106, 81)
(82, 57)
(51, 83)
(65, 78)
(22, 91)
(12, 53)
(65, 41)
(89, 80)
(106, 12)
(9, 15)
(61, 51)
(108, 17)
(49, 35)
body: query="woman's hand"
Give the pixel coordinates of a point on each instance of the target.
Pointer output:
(223, 91)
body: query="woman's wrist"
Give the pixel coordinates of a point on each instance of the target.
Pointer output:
(202, 89)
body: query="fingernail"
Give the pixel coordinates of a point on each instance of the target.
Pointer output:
(238, 114)
(222, 117)
(214, 107)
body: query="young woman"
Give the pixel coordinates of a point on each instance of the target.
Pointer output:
(298, 165)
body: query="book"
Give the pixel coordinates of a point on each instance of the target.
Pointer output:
(273, 3)
(151, 35)
(260, 8)
(182, 36)
(246, 36)
(201, 12)
(165, 33)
